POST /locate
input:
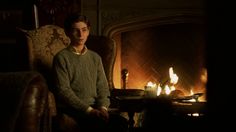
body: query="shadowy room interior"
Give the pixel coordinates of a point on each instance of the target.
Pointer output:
(149, 37)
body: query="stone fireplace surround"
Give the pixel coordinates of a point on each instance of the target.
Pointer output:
(154, 66)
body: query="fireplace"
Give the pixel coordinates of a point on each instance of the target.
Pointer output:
(148, 46)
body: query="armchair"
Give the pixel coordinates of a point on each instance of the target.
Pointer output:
(23, 99)
(43, 43)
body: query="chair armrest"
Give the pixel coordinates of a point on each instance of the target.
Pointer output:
(24, 97)
(52, 104)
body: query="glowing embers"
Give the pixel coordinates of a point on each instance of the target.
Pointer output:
(195, 114)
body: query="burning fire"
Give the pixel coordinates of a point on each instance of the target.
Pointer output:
(167, 88)
(173, 77)
(191, 94)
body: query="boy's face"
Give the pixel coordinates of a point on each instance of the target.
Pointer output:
(79, 33)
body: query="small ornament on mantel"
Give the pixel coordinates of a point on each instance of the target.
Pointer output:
(125, 75)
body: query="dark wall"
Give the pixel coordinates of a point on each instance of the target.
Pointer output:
(221, 64)
(20, 13)
(13, 14)
(13, 57)
(16, 12)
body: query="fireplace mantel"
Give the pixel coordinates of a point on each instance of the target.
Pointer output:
(140, 22)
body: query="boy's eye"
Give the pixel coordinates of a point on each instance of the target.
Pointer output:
(84, 29)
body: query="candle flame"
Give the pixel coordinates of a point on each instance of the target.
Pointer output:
(151, 84)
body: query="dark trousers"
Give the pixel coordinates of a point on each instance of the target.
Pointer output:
(116, 122)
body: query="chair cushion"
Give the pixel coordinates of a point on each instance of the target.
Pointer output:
(44, 43)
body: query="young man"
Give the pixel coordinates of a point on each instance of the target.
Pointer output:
(81, 86)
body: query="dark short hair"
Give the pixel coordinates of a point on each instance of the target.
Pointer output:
(73, 18)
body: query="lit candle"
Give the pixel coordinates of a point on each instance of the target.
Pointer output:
(151, 90)
(36, 19)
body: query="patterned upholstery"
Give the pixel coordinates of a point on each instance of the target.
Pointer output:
(43, 44)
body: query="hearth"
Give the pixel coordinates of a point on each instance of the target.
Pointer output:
(147, 47)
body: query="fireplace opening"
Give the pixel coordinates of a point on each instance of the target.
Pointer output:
(147, 48)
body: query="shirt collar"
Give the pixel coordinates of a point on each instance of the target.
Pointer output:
(85, 49)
